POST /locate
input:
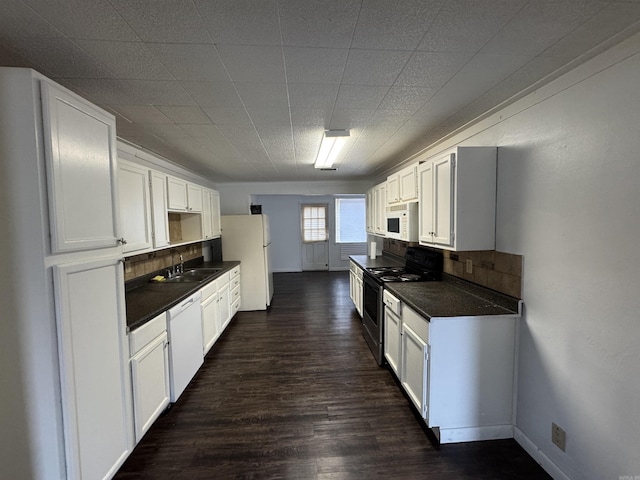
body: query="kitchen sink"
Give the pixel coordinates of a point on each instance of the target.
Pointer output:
(193, 275)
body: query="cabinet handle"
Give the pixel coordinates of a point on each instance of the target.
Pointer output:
(122, 241)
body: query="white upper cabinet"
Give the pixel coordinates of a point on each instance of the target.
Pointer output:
(408, 182)
(194, 198)
(177, 194)
(380, 201)
(215, 214)
(457, 199)
(402, 187)
(158, 182)
(207, 226)
(135, 206)
(80, 151)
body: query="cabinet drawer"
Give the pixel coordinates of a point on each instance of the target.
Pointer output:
(234, 282)
(417, 323)
(235, 306)
(235, 294)
(140, 337)
(235, 272)
(391, 302)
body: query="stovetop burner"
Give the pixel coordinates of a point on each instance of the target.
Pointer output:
(420, 265)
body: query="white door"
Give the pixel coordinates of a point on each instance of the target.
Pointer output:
(159, 209)
(94, 365)
(425, 202)
(315, 236)
(414, 368)
(207, 217)
(443, 208)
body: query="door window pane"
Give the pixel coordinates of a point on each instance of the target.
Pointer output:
(314, 223)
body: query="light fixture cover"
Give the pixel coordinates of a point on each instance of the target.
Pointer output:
(332, 143)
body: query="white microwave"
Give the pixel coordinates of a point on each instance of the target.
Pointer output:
(402, 222)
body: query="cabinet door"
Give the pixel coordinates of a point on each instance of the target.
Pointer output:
(224, 306)
(210, 321)
(95, 375)
(443, 200)
(207, 216)
(359, 295)
(381, 208)
(177, 194)
(392, 339)
(159, 209)
(425, 202)
(215, 214)
(80, 151)
(150, 379)
(414, 368)
(135, 207)
(194, 197)
(408, 184)
(393, 189)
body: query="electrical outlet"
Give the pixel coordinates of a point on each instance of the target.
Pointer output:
(469, 265)
(558, 436)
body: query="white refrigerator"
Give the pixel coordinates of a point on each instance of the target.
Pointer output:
(246, 238)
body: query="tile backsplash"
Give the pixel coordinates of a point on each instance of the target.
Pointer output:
(138, 265)
(495, 270)
(498, 271)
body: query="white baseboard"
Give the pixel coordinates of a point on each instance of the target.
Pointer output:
(475, 434)
(286, 270)
(539, 456)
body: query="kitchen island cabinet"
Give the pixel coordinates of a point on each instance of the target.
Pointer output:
(457, 356)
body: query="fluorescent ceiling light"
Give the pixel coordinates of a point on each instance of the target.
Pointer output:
(332, 143)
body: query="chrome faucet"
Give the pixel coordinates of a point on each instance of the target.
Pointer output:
(176, 269)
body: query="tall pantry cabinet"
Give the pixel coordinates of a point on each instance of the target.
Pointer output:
(66, 393)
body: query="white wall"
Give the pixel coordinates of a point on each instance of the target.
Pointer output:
(235, 198)
(286, 244)
(569, 202)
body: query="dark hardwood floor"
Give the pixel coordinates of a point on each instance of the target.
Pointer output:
(294, 393)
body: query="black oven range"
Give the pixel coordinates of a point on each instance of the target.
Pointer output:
(421, 265)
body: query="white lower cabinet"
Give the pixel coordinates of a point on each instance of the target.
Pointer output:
(457, 371)
(220, 302)
(392, 331)
(149, 372)
(93, 355)
(355, 286)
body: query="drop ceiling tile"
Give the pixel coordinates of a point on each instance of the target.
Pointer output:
(128, 60)
(307, 143)
(203, 130)
(134, 92)
(187, 115)
(394, 25)
(88, 19)
(270, 116)
(278, 142)
(163, 20)
(11, 58)
(142, 114)
(213, 94)
(310, 117)
(18, 20)
(390, 117)
(168, 132)
(374, 67)
(253, 63)
(263, 94)
(227, 115)
(466, 25)
(60, 56)
(315, 65)
(427, 69)
(310, 23)
(241, 22)
(595, 31)
(307, 95)
(541, 24)
(190, 61)
(349, 118)
(246, 141)
(407, 98)
(360, 96)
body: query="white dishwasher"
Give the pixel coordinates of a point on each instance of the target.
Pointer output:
(185, 344)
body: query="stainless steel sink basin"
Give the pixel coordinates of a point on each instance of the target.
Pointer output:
(193, 275)
(203, 271)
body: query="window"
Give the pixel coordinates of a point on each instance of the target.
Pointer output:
(314, 223)
(350, 220)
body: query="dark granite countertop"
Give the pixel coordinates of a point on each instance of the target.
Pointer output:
(453, 297)
(145, 300)
(380, 261)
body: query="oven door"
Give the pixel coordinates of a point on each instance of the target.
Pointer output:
(372, 316)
